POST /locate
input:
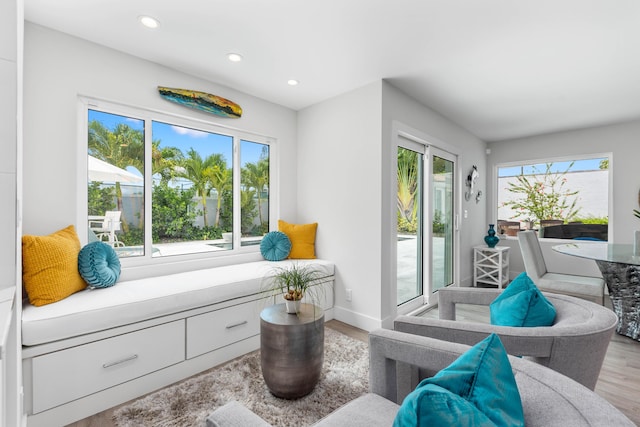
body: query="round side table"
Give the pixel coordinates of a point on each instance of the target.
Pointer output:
(291, 349)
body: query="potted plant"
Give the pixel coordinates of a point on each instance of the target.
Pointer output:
(293, 282)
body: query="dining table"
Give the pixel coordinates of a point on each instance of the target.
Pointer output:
(620, 268)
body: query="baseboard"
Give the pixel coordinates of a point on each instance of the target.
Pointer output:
(356, 319)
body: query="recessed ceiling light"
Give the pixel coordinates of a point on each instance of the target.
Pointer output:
(148, 21)
(234, 57)
(293, 82)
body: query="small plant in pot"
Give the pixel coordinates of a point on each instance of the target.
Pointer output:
(293, 282)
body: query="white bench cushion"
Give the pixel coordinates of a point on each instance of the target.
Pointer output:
(127, 302)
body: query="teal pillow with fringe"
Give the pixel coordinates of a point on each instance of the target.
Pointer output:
(275, 246)
(99, 265)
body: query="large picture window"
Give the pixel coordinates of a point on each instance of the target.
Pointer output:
(161, 186)
(566, 199)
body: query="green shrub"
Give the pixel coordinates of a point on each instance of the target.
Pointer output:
(173, 212)
(592, 220)
(100, 199)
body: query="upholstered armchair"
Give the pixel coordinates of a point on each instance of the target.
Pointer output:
(575, 345)
(398, 361)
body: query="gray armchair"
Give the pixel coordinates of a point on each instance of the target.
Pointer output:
(575, 345)
(398, 361)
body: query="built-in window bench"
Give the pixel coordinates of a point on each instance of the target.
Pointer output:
(99, 348)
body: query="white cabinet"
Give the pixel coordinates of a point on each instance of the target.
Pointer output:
(491, 266)
(219, 328)
(69, 374)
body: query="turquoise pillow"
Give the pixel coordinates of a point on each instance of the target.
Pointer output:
(522, 304)
(275, 246)
(477, 389)
(99, 265)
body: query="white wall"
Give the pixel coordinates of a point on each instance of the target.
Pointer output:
(397, 106)
(8, 139)
(59, 68)
(622, 140)
(339, 187)
(346, 142)
(11, 48)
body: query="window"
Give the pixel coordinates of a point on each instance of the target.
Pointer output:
(163, 186)
(560, 198)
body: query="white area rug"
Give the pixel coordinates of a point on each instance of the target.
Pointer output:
(345, 376)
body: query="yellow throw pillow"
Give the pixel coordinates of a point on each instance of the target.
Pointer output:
(50, 266)
(303, 239)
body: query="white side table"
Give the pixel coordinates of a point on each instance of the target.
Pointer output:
(491, 266)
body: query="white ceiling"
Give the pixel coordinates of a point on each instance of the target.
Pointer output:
(499, 68)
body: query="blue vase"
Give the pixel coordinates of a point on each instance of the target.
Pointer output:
(491, 239)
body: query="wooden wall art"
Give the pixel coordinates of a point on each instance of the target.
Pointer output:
(202, 101)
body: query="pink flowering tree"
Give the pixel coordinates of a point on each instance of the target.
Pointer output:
(542, 196)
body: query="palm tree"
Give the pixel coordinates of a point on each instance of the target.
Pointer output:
(165, 161)
(220, 178)
(206, 174)
(256, 176)
(194, 168)
(407, 184)
(122, 147)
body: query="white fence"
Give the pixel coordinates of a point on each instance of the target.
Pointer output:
(592, 187)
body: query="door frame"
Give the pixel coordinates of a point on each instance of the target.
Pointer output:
(415, 136)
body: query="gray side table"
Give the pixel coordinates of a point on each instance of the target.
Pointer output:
(291, 349)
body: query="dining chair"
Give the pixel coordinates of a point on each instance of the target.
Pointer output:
(589, 288)
(107, 227)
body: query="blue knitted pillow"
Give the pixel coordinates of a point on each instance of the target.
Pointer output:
(275, 246)
(99, 265)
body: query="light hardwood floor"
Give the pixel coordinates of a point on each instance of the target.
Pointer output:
(619, 381)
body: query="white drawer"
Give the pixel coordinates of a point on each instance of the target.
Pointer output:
(210, 331)
(69, 374)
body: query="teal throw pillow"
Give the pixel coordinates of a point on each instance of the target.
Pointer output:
(477, 389)
(275, 246)
(522, 304)
(99, 265)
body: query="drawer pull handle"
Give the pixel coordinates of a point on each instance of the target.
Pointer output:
(117, 362)
(235, 325)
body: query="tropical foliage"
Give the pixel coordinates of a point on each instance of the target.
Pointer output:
(100, 199)
(543, 196)
(407, 196)
(177, 211)
(255, 177)
(121, 147)
(407, 187)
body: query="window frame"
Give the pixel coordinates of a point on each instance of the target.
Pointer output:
(181, 262)
(555, 159)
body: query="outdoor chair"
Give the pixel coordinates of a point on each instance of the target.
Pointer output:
(106, 227)
(589, 288)
(575, 345)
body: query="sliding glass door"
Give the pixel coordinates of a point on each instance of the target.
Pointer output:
(425, 222)
(442, 218)
(410, 237)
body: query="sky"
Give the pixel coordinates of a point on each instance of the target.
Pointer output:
(578, 165)
(205, 143)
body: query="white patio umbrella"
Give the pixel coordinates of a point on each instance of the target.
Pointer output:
(99, 170)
